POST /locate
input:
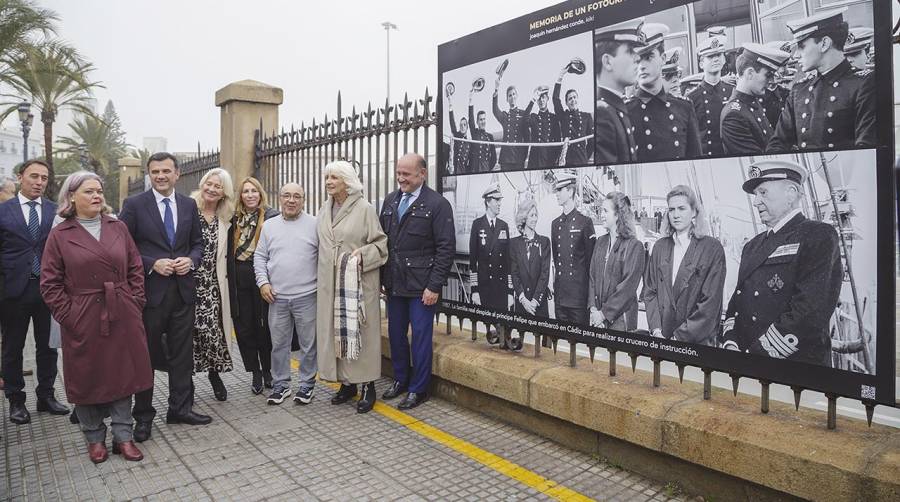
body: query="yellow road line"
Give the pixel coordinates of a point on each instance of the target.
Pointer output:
(528, 478)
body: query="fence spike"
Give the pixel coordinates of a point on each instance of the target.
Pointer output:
(680, 372)
(764, 396)
(339, 105)
(735, 380)
(591, 350)
(612, 362)
(369, 113)
(707, 384)
(634, 358)
(870, 411)
(427, 103)
(797, 391)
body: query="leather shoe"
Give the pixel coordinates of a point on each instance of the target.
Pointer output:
(97, 452)
(395, 390)
(189, 418)
(142, 431)
(218, 386)
(256, 386)
(128, 451)
(412, 400)
(18, 413)
(51, 405)
(344, 394)
(367, 399)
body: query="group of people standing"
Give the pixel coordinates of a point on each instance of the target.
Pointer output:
(788, 285)
(163, 285)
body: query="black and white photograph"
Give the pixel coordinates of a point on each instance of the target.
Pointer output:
(759, 77)
(772, 256)
(532, 109)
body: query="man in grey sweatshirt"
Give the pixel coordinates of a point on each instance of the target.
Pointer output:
(285, 263)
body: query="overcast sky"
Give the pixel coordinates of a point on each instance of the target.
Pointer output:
(163, 60)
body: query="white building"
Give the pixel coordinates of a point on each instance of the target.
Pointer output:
(11, 148)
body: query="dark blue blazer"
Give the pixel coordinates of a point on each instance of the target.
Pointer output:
(17, 248)
(141, 215)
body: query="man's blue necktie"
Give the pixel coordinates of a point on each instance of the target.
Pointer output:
(34, 227)
(169, 222)
(404, 205)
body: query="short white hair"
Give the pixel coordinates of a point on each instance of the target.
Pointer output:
(345, 171)
(225, 208)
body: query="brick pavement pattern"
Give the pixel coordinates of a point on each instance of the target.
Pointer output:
(317, 452)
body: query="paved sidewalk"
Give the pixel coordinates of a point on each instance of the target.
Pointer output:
(252, 451)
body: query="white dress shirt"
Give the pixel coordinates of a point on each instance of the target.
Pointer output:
(412, 196)
(678, 252)
(783, 221)
(162, 207)
(26, 209)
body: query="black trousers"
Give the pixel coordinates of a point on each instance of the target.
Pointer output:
(15, 315)
(170, 339)
(250, 326)
(574, 315)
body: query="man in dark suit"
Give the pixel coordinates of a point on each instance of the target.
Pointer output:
(166, 228)
(572, 238)
(489, 254)
(421, 243)
(710, 96)
(25, 222)
(790, 277)
(483, 157)
(515, 127)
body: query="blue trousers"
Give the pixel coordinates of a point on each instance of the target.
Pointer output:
(403, 312)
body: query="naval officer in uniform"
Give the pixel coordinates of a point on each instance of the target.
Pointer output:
(616, 67)
(462, 148)
(572, 240)
(665, 125)
(482, 157)
(789, 279)
(514, 123)
(544, 128)
(573, 123)
(833, 106)
(671, 71)
(489, 254)
(744, 126)
(711, 95)
(856, 49)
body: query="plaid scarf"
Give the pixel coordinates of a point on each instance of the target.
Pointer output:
(349, 308)
(246, 234)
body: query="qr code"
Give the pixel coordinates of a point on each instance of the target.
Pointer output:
(867, 392)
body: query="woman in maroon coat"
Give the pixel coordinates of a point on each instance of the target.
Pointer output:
(93, 281)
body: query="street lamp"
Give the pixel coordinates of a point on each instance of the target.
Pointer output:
(388, 26)
(26, 118)
(83, 156)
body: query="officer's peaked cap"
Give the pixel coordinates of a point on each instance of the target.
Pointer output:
(810, 26)
(492, 192)
(773, 170)
(626, 32)
(766, 56)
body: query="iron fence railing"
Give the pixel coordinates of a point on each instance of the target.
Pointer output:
(193, 169)
(135, 185)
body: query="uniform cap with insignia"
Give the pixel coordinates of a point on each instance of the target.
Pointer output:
(782, 45)
(858, 39)
(712, 45)
(502, 67)
(492, 192)
(626, 32)
(773, 170)
(713, 31)
(450, 88)
(655, 34)
(541, 90)
(806, 27)
(576, 66)
(478, 84)
(766, 56)
(564, 179)
(670, 61)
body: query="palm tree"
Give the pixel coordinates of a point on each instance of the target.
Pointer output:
(100, 141)
(141, 153)
(19, 21)
(53, 75)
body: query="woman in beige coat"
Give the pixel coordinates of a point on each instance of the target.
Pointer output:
(348, 223)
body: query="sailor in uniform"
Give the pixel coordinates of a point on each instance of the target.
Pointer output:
(790, 276)
(460, 148)
(514, 123)
(856, 49)
(572, 242)
(665, 125)
(489, 254)
(616, 65)
(745, 129)
(671, 71)
(711, 95)
(833, 106)
(544, 128)
(573, 123)
(482, 157)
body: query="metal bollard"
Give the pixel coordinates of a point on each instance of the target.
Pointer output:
(612, 362)
(764, 396)
(537, 344)
(707, 384)
(656, 371)
(832, 411)
(572, 355)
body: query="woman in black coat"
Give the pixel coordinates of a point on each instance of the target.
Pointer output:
(529, 255)
(248, 310)
(616, 267)
(686, 276)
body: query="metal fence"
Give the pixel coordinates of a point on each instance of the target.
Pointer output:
(374, 138)
(193, 169)
(135, 185)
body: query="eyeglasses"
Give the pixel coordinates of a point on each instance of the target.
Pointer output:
(292, 196)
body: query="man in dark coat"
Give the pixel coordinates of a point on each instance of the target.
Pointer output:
(489, 254)
(543, 127)
(615, 65)
(462, 148)
(482, 157)
(515, 127)
(572, 240)
(744, 127)
(165, 227)
(573, 124)
(710, 96)
(790, 277)
(833, 106)
(421, 246)
(25, 222)
(665, 125)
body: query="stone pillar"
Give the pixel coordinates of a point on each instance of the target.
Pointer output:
(129, 168)
(243, 105)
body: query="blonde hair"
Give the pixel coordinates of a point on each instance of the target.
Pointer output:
(239, 208)
(225, 207)
(345, 171)
(699, 225)
(66, 205)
